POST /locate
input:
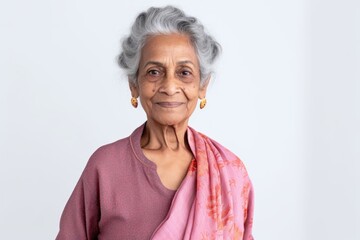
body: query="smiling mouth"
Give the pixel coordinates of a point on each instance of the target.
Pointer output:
(169, 104)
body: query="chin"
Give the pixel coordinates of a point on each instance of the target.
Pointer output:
(171, 121)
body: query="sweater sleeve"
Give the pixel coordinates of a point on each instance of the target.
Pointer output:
(79, 220)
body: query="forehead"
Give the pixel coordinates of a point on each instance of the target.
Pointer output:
(163, 47)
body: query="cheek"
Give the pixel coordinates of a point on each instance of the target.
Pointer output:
(152, 87)
(147, 90)
(191, 92)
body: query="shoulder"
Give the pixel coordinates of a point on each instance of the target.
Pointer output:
(216, 145)
(111, 157)
(231, 158)
(108, 154)
(105, 163)
(226, 157)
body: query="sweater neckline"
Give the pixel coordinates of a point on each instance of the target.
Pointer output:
(135, 141)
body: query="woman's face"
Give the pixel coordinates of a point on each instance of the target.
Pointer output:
(168, 79)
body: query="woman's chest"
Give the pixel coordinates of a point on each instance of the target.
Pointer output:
(132, 204)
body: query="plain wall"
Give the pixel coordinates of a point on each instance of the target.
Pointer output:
(285, 99)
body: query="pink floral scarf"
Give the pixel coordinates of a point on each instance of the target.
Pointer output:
(214, 201)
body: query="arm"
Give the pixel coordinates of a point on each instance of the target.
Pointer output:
(79, 220)
(249, 216)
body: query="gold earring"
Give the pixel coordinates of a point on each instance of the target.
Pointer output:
(134, 102)
(202, 103)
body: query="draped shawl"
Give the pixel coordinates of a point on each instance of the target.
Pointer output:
(215, 199)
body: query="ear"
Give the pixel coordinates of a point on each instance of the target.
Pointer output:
(134, 89)
(203, 88)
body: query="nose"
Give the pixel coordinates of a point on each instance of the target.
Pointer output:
(169, 85)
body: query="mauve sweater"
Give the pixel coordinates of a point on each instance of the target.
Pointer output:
(119, 195)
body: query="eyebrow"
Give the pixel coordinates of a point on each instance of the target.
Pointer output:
(162, 65)
(154, 63)
(185, 62)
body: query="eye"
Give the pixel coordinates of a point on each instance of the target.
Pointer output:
(185, 73)
(153, 72)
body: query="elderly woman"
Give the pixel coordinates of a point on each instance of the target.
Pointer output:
(166, 180)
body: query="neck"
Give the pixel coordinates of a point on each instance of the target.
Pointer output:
(164, 137)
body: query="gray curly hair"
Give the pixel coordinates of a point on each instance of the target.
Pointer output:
(167, 20)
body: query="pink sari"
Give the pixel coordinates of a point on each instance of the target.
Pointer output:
(214, 201)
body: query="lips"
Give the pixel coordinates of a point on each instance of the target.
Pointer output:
(169, 104)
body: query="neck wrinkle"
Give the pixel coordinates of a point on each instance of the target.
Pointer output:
(156, 137)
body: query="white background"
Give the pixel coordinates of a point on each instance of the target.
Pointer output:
(286, 99)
